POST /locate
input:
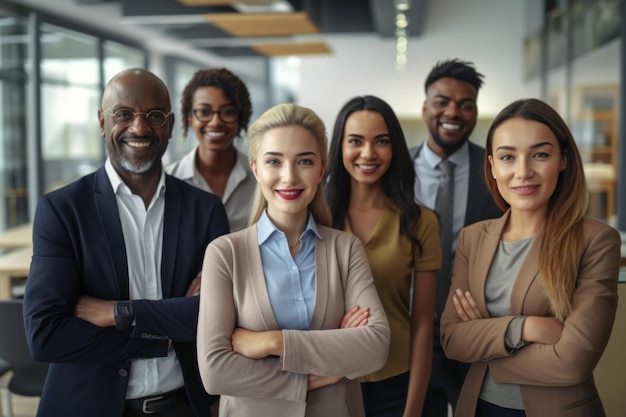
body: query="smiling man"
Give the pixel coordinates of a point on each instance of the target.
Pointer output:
(450, 113)
(111, 299)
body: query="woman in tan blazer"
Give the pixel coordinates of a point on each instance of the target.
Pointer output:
(289, 315)
(534, 293)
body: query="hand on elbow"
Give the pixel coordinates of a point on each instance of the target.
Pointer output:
(257, 345)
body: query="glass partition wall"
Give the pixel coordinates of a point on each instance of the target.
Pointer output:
(51, 77)
(13, 173)
(70, 94)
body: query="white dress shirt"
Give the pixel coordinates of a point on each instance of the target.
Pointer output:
(239, 191)
(143, 237)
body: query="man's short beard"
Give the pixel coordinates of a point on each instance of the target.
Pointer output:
(140, 168)
(449, 146)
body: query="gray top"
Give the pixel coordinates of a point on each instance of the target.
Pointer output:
(502, 275)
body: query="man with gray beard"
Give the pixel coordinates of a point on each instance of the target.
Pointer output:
(450, 113)
(112, 296)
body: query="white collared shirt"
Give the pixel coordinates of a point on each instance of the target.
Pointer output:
(143, 238)
(429, 174)
(239, 191)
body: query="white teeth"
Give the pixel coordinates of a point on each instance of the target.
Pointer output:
(450, 126)
(215, 134)
(138, 144)
(289, 192)
(367, 166)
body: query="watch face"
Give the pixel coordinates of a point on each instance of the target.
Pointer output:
(125, 308)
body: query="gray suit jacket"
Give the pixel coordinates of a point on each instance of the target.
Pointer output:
(555, 380)
(234, 294)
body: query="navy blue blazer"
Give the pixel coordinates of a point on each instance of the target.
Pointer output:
(78, 249)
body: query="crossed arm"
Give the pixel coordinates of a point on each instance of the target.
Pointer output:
(536, 329)
(259, 345)
(101, 312)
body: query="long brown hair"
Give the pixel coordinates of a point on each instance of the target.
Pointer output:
(284, 115)
(561, 240)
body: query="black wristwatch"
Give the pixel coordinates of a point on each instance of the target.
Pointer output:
(124, 315)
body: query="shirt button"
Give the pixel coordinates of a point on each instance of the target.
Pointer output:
(294, 268)
(123, 373)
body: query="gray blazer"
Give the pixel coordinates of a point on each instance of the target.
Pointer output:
(234, 294)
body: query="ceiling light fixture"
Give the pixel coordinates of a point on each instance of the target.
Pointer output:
(402, 33)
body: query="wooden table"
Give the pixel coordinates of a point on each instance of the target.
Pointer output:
(17, 237)
(13, 264)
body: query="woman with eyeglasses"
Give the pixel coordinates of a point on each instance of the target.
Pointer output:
(216, 106)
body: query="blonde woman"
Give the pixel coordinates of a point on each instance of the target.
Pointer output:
(534, 293)
(289, 316)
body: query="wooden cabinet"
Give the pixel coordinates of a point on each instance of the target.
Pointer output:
(595, 130)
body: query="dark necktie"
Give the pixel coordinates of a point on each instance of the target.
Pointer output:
(444, 207)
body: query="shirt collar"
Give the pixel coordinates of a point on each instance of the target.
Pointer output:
(265, 227)
(118, 184)
(458, 158)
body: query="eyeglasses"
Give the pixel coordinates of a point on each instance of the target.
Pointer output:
(154, 118)
(226, 114)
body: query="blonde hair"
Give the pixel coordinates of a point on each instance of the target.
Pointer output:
(284, 115)
(560, 247)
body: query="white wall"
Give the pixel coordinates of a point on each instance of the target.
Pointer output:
(488, 32)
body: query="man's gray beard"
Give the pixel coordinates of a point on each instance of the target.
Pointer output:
(138, 168)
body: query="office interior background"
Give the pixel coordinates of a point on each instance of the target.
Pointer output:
(57, 55)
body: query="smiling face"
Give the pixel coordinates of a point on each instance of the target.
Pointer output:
(214, 135)
(526, 161)
(450, 114)
(135, 147)
(288, 169)
(366, 147)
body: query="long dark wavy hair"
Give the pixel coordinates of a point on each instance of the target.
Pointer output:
(398, 181)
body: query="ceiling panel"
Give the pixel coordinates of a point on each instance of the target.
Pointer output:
(263, 24)
(291, 48)
(237, 27)
(221, 2)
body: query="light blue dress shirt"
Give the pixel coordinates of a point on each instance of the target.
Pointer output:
(429, 175)
(290, 280)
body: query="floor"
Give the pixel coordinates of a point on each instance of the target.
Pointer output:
(22, 406)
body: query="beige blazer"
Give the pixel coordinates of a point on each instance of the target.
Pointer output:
(234, 295)
(555, 380)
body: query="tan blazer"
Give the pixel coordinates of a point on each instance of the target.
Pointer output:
(234, 295)
(555, 380)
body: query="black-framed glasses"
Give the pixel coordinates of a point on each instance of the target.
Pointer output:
(226, 114)
(154, 118)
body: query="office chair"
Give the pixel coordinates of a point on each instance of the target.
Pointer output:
(28, 374)
(4, 368)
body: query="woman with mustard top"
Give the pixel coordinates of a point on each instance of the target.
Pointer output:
(371, 194)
